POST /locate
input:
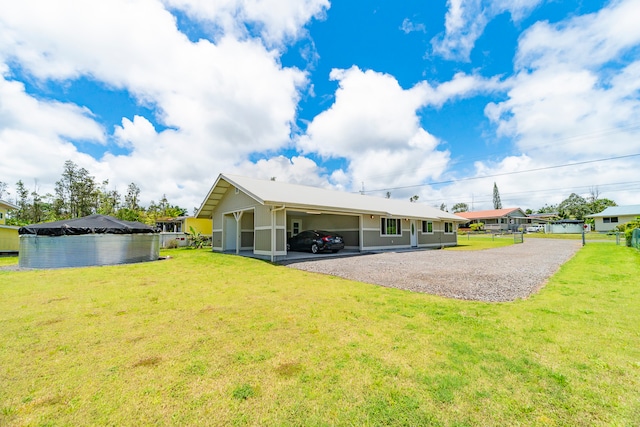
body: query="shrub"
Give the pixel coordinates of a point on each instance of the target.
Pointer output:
(171, 244)
(477, 226)
(627, 228)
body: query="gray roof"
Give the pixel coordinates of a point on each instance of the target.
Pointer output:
(294, 196)
(7, 205)
(629, 210)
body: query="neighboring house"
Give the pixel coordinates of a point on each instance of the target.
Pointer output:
(178, 229)
(258, 216)
(9, 238)
(508, 219)
(613, 216)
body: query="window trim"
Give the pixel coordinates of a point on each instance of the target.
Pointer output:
(427, 223)
(449, 225)
(384, 226)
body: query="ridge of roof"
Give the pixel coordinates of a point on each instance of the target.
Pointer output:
(302, 196)
(8, 204)
(617, 210)
(491, 213)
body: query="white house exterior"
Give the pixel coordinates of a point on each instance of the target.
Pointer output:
(259, 216)
(613, 216)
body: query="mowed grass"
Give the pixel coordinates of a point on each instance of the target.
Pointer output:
(474, 242)
(211, 339)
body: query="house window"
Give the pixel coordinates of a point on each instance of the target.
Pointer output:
(608, 220)
(0, 215)
(448, 227)
(390, 227)
(427, 226)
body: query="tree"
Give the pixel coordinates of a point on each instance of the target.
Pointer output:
(597, 205)
(108, 200)
(132, 197)
(76, 193)
(573, 206)
(21, 215)
(460, 207)
(548, 209)
(443, 207)
(414, 198)
(3, 189)
(497, 204)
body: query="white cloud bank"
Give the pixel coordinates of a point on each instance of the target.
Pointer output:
(221, 101)
(567, 105)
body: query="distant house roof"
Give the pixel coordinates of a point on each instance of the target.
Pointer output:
(628, 210)
(7, 205)
(294, 196)
(493, 213)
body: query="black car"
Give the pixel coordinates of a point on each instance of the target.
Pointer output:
(316, 241)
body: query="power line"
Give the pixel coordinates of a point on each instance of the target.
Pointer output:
(560, 141)
(452, 181)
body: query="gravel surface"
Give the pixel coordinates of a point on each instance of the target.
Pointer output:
(500, 274)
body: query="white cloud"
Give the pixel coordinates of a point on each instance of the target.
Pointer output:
(587, 41)
(409, 27)
(33, 135)
(466, 20)
(220, 101)
(276, 20)
(568, 105)
(374, 125)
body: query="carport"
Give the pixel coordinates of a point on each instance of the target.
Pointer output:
(348, 226)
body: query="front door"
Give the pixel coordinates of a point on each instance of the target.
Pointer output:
(414, 234)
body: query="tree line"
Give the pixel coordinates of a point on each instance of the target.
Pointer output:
(78, 194)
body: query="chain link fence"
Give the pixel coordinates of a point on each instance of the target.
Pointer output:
(635, 238)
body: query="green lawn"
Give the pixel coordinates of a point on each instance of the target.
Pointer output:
(476, 242)
(210, 339)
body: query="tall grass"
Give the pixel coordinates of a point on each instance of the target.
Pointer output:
(210, 339)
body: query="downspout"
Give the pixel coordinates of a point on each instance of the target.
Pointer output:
(273, 230)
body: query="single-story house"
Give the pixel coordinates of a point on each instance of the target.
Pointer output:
(178, 229)
(613, 216)
(508, 219)
(9, 237)
(260, 215)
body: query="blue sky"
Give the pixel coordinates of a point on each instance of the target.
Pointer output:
(438, 99)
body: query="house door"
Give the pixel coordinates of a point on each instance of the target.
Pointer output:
(230, 233)
(414, 234)
(296, 227)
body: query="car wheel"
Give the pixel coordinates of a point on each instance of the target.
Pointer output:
(314, 248)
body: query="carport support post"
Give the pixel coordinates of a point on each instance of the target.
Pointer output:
(273, 230)
(238, 217)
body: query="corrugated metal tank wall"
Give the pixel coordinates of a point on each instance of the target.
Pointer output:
(87, 250)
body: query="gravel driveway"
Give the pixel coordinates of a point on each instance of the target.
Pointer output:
(500, 274)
